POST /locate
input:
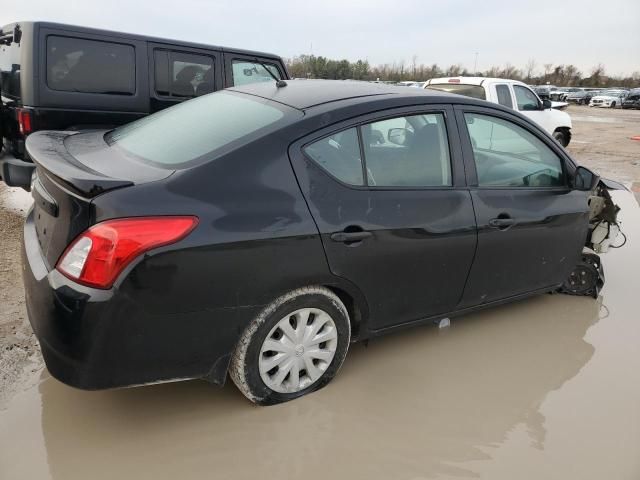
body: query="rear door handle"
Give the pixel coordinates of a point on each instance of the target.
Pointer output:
(350, 237)
(501, 223)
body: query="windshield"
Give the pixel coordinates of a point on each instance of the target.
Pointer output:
(199, 129)
(473, 91)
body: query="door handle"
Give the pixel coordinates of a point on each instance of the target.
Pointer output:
(350, 237)
(501, 223)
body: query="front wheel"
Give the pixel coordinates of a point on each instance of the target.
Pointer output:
(561, 137)
(613, 104)
(295, 346)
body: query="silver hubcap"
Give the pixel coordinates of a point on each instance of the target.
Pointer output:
(298, 350)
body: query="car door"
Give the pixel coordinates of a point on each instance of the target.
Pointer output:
(530, 105)
(531, 225)
(388, 196)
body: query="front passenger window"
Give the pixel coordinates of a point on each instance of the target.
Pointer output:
(507, 155)
(526, 99)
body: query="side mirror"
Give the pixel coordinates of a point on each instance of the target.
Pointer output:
(17, 173)
(546, 104)
(398, 136)
(584, 179)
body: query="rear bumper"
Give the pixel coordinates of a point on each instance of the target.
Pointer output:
(95, 339)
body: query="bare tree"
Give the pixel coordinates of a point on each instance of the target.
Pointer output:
(530, 69)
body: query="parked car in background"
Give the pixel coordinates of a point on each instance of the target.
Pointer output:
(512, 94)
(543, 91)
(55, 76)
(581, 97)
(255, 231)
(609, 98)
(633, 100)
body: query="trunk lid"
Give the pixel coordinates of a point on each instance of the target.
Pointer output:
(71, 169)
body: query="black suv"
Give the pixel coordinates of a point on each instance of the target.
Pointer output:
(61, 77)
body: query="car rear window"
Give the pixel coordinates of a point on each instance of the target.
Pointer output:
(10, 69)
(473, 91)
(89, 66)
(199, 129)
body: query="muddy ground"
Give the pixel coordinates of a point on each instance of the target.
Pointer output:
(545, 388)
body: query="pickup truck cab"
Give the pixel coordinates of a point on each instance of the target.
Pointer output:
(66, 77)
(512, 94)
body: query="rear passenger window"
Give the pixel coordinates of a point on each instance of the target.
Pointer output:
(252, 72)
(339, 155)
(507, 155)
(410, 151)
(504, 95)
(89, 66)
(182, 75)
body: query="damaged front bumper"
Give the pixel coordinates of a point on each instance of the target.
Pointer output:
(587, 278)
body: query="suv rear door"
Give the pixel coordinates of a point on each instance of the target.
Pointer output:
(180, 73)
(401, 230)
(531, 225)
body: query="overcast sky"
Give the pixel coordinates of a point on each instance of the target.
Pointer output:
(582, 32)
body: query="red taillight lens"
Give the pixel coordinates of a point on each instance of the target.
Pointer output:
(454, 80)
(24, 121)
(99, 255)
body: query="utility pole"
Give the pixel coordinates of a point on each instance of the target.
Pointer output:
(475, 65)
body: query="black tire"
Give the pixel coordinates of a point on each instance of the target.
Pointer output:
(244, 367)
(561, 137)
(613, 104)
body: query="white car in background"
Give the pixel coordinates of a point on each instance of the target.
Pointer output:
(512, 94)
(609, 99)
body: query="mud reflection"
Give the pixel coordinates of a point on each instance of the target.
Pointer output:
(410, 405)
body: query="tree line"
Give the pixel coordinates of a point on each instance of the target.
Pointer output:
(311, 66)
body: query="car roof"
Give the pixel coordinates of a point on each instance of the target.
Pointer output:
(136, 36)
(305, 94)
(470, 80)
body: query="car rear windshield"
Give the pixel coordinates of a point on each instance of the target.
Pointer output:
(200, 129)
(10, 69)
(473, 91)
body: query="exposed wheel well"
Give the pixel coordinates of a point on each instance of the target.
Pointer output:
(566, 131)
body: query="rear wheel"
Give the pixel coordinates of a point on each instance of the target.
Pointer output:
(295, 346)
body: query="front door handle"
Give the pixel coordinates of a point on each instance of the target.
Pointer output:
(501, 223)
(350, 237)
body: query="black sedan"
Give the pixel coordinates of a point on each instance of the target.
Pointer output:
(260, 230)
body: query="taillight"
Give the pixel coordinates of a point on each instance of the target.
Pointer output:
(24, 121)
(99, 255)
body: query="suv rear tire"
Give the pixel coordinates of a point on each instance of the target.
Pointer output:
(294, 346)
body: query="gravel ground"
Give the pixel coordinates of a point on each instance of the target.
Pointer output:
(20, 356)
(601, 140)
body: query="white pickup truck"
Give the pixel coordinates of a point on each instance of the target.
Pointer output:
(504, 92)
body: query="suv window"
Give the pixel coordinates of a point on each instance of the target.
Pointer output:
(182, 75)
(251, 72)
(504, 95)
(410, 151)
(507, 155)
(89, 66)
(339, 155)
(10, 69)
(526, 99)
